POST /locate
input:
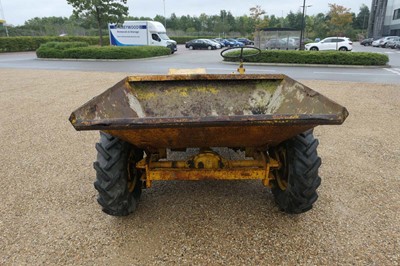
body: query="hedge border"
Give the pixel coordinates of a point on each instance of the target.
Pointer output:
(64, 51)
(316, 58)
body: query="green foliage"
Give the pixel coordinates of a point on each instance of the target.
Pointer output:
(103, 11)
(361, 20)
(309, 57)
(65, 45)
(23, 44)
(78, 50)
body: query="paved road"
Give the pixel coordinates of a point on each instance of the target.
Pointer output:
(211, 60)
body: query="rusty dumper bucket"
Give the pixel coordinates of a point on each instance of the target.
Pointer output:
(268, 117)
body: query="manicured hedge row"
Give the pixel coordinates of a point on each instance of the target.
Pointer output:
(23, 44)
(52, 50)
(310, 57)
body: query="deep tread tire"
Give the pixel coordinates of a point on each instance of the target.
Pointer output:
(302, 164)
(113, 172)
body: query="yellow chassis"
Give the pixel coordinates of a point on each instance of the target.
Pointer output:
(208, 165)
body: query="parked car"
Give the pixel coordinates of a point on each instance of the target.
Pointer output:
(219, 42)
(235, 43)
(201, 44)
(367, 42)
(397, 46)
(375, 43)
(275, 44)
(225, 42)
(392, 43)
(382, 42)
(331, 43)
(290, 43)
(245, 41)
(215, 42)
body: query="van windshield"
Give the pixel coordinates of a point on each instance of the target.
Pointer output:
(163, 36)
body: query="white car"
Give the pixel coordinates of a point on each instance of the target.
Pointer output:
(375, 43)
(382, 41)
(331, 43)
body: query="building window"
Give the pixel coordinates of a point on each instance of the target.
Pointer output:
(396, 14)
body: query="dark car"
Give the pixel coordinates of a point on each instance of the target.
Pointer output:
(245, 41)
(226, 42)
(235, 43)
(201, 44)
(367, 42)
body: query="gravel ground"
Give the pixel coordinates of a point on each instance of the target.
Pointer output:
(49, 213)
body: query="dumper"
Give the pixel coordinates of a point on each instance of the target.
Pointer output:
(267, 119)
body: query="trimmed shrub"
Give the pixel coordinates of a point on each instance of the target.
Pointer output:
(311, 57)
(97, 52)
(23, 44)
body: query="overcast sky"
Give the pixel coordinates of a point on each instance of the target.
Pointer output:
(16, 12)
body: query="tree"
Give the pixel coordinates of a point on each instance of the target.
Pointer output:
(320, 27)
(361, 20)
(256, 13)
(340, 19)
(293, 20)
(103, 11)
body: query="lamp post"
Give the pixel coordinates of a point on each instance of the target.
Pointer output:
(305, 22)
(302, 26)
(165, 18)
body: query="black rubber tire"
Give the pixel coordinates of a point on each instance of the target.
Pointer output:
(343, 49)
(301, 174)
(115, 166)
(314, 48)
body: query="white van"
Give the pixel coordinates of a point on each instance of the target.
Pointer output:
(137, 33)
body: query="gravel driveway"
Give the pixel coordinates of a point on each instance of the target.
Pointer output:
(49, 213)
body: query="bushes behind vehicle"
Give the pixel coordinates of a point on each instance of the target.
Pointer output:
(309, 57)
(24, 44)
(79, 50)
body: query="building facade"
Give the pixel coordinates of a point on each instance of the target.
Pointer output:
(384, 19)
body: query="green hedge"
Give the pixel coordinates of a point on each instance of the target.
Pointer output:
(23, 44)
(79, 51)
(311, 57)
